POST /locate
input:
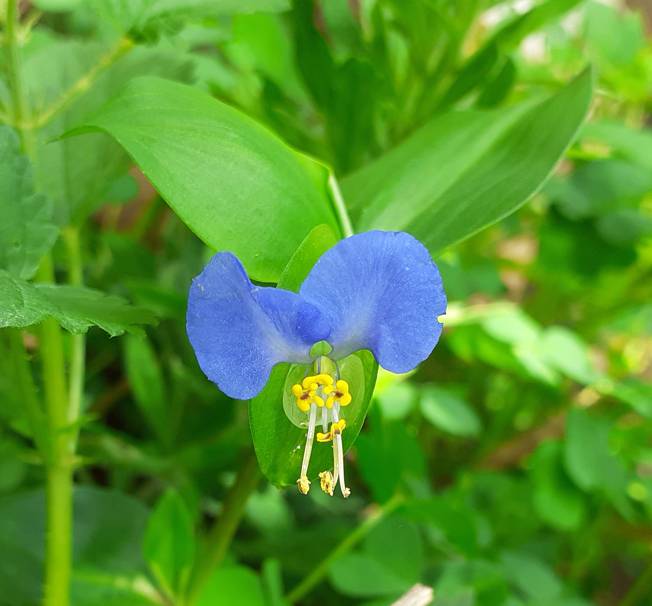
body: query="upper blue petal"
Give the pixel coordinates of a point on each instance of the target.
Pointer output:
(240, 331)
(379, 291)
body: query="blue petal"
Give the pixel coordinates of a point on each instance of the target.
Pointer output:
(240, 331)
(379, 291)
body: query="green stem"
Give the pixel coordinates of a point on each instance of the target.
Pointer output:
(340, 207)
(12, 58)
(640, 590)
(123, 46)
(220, 536)
(59, 458)
(350, 541)
(59, 468)
(78, 342)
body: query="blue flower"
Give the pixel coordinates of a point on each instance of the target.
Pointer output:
(377, 290)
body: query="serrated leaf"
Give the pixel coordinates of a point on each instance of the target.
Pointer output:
(27, 231)
(208, 159)
(278, 441)
(75, 308)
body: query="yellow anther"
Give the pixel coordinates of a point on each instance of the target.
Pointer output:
(306, 396)
(326, 482)
(336, 428)
(304, 485)
(338, 393)
(315, 381)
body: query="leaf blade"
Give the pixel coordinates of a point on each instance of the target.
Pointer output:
(208, 159)
(466, 170)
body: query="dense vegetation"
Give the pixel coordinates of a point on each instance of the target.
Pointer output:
(514, 467)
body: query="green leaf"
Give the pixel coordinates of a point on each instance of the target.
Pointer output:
(235, 184)
(388, 455)
(96, 587)
(466, 170)
(589, 460)
(448, 412)
(76, 309)
(390, 562)
(532, 577)
(77, 173)
(398, 400)
(277, 440)
(624, 141)
(169, 545)
(232, 585)
(567, 353)
(26, 230)
(488, 65)
(146, 381)
(636, 393)
(557, 501)
(148, 18)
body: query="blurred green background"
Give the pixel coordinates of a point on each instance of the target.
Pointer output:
(513, 468)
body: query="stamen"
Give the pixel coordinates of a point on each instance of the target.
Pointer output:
(303, 482)
(337, 446)
(324, 418)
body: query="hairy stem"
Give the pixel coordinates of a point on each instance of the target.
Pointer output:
(350, 541)
(340, 207)
(220, 536)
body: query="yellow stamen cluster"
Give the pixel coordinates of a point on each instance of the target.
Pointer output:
(336, 429)
(322, 391)
(306, 392)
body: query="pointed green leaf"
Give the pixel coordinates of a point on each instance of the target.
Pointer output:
(233, 182)
(466, 170)
(147, 385)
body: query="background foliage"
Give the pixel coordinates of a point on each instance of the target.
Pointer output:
(513, 468)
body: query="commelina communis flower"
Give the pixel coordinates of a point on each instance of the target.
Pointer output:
(378, 291)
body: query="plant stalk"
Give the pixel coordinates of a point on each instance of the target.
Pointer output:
(340, 207)
(220, 536)
(59, 458)
(78, 342)
(123, 46)
(60, 461)
(350, 541)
